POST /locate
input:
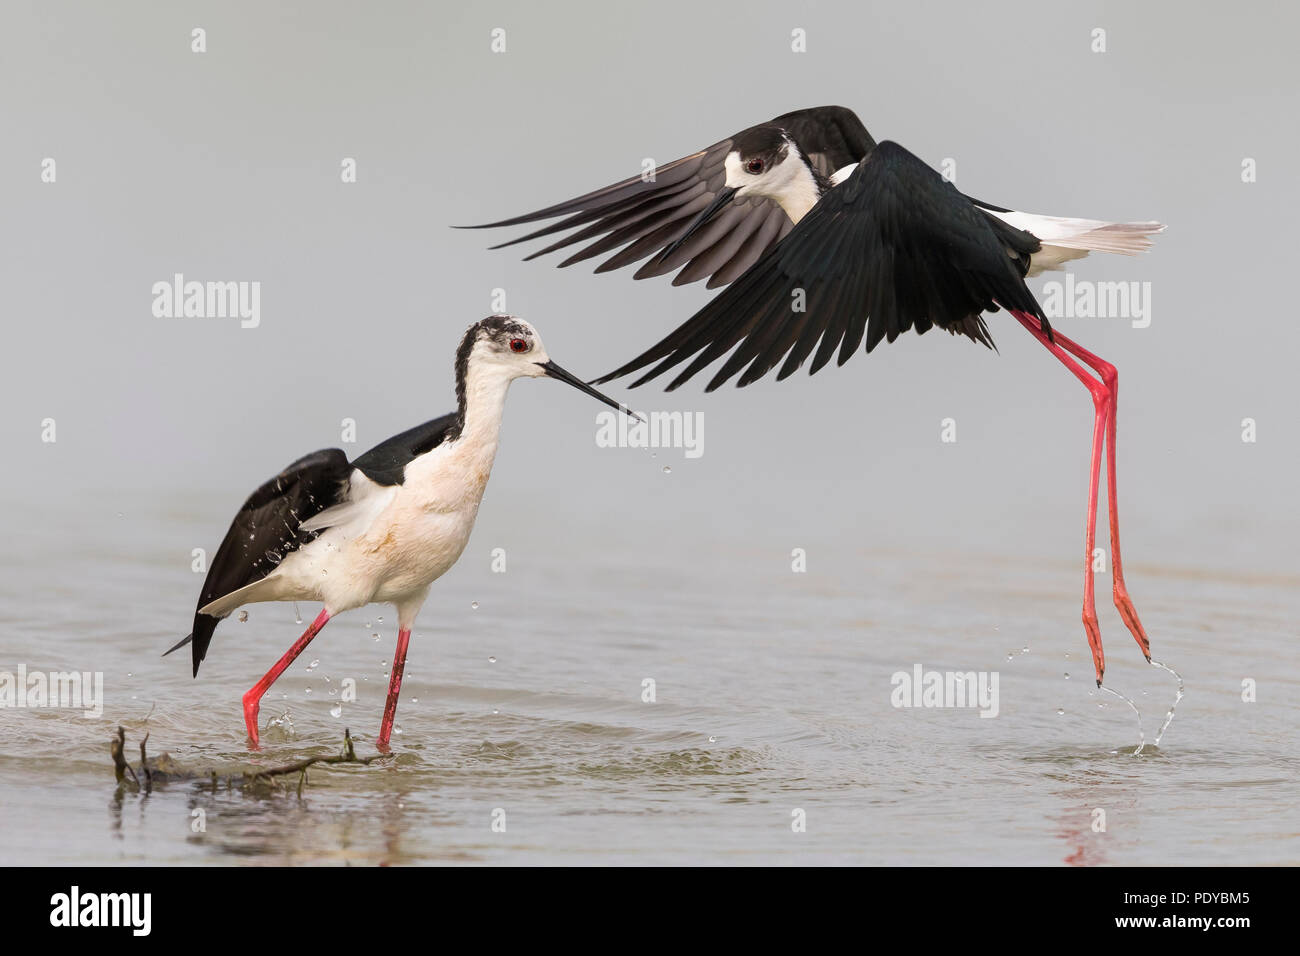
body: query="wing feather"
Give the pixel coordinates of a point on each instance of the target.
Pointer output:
(642, 216)
(266, 529)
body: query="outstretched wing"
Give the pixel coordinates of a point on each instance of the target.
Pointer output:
(641, 216)
(894, 247)
(268, 527)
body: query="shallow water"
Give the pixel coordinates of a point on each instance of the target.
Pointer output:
(772, 696)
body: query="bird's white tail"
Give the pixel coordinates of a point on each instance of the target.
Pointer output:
(1066, 239)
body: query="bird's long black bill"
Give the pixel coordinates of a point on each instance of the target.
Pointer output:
(719, 203)
(554, 371)
(178, 645)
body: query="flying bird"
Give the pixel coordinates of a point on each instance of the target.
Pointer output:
(826, 240)
(382, 528)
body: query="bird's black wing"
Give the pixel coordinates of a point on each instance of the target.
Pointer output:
(268, 527)
(894, 247)
(639, 217)
(642, 216)
(386, 463)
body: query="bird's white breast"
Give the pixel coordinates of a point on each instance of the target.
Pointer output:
(390, 542)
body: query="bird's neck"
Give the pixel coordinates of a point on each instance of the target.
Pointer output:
(482, 395)
(802, 192)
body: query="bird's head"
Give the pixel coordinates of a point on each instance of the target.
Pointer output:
(501, 348)
(505, 346)
(764, 161)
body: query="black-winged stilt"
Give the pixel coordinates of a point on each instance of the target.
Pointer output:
(378, 529)
(827, 238)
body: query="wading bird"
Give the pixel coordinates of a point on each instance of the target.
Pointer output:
(378, 529)
(826, 238)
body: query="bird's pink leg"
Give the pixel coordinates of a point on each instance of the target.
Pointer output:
(394, 687)
(1110, 376)
(1101, 401)
(254, 696)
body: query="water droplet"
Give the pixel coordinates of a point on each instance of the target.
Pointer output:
(667, 470)
(496, 711)
(415, 700)
(129, 674)
(1067, 655)
(492, 660)
(1008, 657)
(333, 692)
(273, 557)
(1060, 711)
(712, 739)
(243, 617)
(1067, 675)
(474, 605)
(336, 710)
(308, 691)
(375, 636)
(314, 664)
(380, 620)
(397, 730)
(1025, 649)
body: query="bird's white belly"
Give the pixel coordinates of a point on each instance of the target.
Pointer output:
(416, 550)
(407, 549)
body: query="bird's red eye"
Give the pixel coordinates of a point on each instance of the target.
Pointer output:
(518, 345)
(755, 166)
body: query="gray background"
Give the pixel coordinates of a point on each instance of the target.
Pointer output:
(226, 166)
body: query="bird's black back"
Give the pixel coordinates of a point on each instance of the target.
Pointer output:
(386, 463)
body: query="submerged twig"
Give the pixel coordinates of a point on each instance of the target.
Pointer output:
(120, 766)
(162, 770)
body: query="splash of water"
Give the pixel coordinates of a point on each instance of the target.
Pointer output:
(1142, 737)
(1169, 717)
